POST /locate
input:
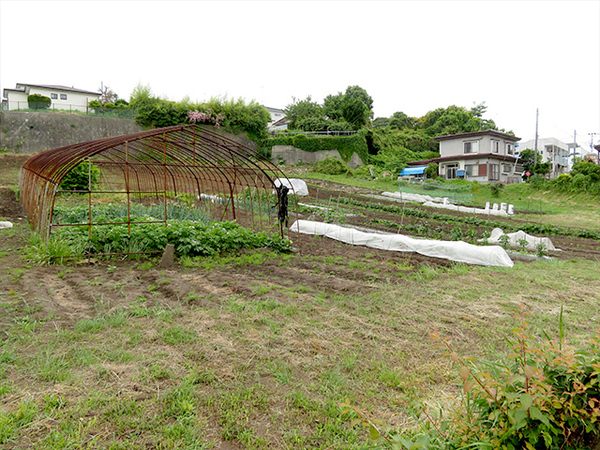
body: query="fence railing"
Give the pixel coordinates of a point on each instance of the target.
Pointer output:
(121, 113)
(312, 133)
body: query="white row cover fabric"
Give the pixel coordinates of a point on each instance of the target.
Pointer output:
(412, 198)
(451, 250)
(514, 238)
(295, 185)
(467, 209)
(438, 202)
(5, 225)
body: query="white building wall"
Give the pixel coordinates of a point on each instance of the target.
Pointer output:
(16, 100)
(276, 114)
(553, 151)
(455, 147)
(65, 100)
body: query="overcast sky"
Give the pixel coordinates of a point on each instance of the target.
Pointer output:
(410, 56)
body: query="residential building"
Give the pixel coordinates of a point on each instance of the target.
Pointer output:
(553, 151)
(277, 122)
(61, 97)
(483, 156)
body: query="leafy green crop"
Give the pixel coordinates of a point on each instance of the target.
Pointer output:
(195, 237)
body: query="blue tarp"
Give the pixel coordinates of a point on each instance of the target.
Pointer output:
(413, 171)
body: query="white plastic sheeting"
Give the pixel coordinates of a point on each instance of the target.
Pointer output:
(452, 250)
(514, 238)
(412, 198)
(296, 185)
(466, 209)
(5, 225)
(503, 210)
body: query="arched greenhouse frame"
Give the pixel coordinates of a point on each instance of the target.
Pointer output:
(174, 171)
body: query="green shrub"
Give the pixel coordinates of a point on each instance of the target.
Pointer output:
(37, 101)
(432, 171)
(81, 178)
(345, 145)
(365, 171)
(496, 189)
(331, 166)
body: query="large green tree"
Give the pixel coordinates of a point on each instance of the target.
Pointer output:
(453, 120)
(302, 110)
(349, 110)
(400, 121)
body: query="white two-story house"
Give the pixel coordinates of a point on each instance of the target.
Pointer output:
(553, 151)
(483, 156)
(61, 97)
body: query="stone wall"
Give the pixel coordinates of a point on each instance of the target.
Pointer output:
(289, 154)
(33, 132)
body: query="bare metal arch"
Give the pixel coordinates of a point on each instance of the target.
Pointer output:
(162, 166)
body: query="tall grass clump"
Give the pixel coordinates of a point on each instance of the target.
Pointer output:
(53, 250)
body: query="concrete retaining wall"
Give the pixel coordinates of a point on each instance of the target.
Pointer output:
(289, 154)
(33, 132)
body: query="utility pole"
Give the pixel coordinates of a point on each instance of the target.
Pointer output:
(536, 138)
(592, 145)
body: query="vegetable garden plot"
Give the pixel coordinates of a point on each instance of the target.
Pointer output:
(181, 172)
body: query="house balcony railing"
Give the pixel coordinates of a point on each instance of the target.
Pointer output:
(120, 113)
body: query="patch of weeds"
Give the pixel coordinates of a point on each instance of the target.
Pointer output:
(541, 250)
(53, 402)
(146, 265)
(118, 355)
(82, 356)
(281, 371)
(177, 334)
(201, 377)
(6, 388)
(523, 243)
(158, 372)
(123, 407)
(135, 338)
(113, 320)
(53, 368)
(260, 290)
(12, 422)
(426, 273)
(504, 241)
(17, 274)
(62, 273)
(333, 381)
(236, 407)
(181, 403)
(26, 324)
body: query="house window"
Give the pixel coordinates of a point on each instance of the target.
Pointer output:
(451, 171)
(471, 147)
(505, 168)
(510, 149)
(63, 96)
(495, 146)
(54, 96)
(472, 170)
(494, 172)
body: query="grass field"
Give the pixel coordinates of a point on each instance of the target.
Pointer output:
(257, 350)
